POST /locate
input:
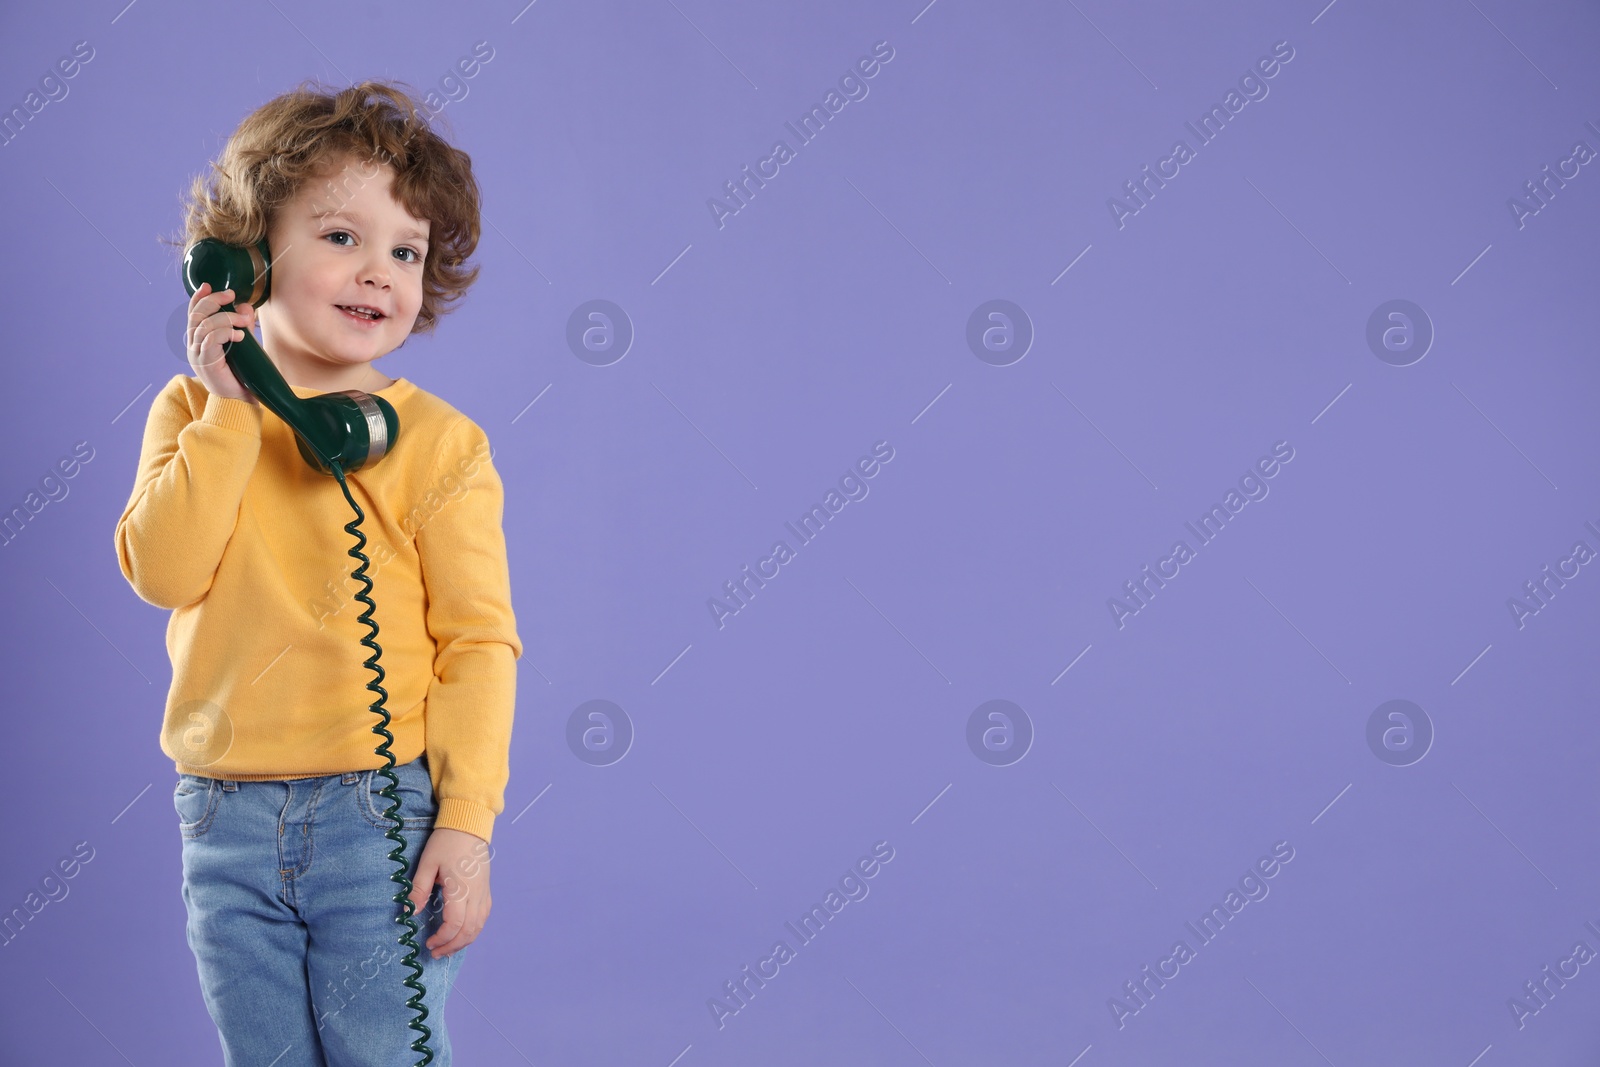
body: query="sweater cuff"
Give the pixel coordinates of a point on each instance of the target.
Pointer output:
(233, 414)
(466, 816)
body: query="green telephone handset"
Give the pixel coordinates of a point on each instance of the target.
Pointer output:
(337, 433)
(350, 427)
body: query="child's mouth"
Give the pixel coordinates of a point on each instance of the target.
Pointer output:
(367, 315)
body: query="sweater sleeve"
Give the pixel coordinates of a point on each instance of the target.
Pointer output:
(471, 697)
(186, 495)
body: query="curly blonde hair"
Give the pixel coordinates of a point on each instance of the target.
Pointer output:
(302, 133)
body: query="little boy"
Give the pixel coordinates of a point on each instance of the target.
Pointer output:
(369, 217)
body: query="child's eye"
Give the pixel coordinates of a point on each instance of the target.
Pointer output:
(416, 256)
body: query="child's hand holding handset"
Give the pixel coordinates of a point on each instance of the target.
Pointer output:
(208, 329)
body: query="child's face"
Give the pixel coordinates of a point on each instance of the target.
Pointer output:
(342, 241)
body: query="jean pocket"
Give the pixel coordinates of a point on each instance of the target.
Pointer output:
(414, 791)
(195, 800)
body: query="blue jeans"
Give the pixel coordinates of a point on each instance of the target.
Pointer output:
(292, 919)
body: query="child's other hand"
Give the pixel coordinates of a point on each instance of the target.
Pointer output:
(458, 861)
(209, 327)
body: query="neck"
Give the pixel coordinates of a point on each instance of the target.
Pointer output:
(303, 371)
(366, 379)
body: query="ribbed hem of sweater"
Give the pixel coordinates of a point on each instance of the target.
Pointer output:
(466, 816)
(453, 814)
(232, 413)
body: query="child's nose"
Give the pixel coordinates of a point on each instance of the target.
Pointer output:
(376, 269)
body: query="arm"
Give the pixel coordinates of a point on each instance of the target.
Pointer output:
(472, 694)
(186, 496)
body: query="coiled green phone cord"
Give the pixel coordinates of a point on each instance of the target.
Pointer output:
(403, 897)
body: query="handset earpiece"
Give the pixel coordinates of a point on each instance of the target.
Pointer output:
(350, 428)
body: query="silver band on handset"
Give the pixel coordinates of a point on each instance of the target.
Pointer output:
(377, 428)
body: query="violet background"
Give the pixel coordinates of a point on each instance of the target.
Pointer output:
(832, 712)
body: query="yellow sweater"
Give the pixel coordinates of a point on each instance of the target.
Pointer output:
(233, 531)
